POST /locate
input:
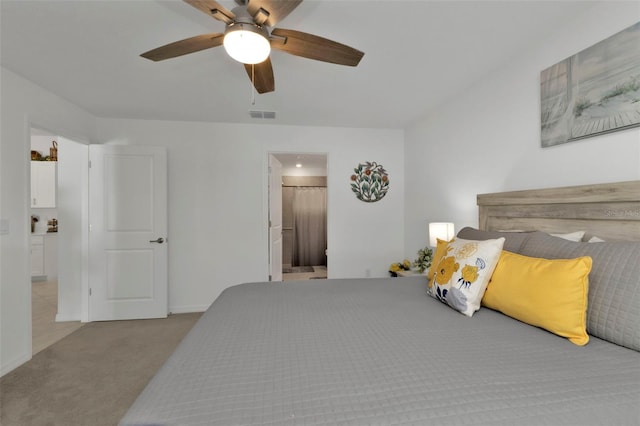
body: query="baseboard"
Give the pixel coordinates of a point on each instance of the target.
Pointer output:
(7, 368)
(66, 318)
(187, 309)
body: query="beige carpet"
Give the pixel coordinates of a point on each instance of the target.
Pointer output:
(92, 376)
(44, 307)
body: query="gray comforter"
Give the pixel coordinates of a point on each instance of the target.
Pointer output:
(380, 352)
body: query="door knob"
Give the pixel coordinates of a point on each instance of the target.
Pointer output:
(159, 240)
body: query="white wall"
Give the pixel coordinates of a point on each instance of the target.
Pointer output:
(73, 172)
(23, 104)
(487, 138)
(218, 200)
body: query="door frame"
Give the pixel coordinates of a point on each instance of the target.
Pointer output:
(273, 276)
(267, 201)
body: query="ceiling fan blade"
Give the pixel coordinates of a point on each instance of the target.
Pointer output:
(214, 9)
(262, 76)
(314, 47)
(273, 10)
(182, 47)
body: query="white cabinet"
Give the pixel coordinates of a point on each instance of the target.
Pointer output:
(37, 255)
(51, 256)
(44, 256)
(43, 184)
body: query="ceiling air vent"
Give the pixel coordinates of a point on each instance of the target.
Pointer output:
(262, 114)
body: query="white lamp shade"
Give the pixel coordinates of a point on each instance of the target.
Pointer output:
(245, 44)
(440, 230)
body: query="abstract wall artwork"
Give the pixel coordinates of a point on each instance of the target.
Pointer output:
(593, 92)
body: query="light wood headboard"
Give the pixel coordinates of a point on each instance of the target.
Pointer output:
(610, 211)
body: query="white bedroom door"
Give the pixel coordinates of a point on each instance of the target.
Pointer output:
(275, 219)
(127, 232)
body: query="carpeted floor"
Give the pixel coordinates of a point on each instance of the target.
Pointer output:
(92, 376)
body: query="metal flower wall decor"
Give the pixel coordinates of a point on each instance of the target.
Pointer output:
(370, 182)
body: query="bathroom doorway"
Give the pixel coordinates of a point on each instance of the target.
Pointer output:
(304, 216)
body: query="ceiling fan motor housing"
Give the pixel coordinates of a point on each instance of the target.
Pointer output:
(244, 40)
(242, 16)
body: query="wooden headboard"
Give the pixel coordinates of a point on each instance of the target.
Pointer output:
(610, 211)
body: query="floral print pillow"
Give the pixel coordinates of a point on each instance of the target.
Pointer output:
(461, 270)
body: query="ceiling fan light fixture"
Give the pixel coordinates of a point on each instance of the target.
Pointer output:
(247, 43)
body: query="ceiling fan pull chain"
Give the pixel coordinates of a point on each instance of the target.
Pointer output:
(253, 84)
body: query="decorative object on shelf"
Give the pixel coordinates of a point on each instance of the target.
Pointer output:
(370, 182)
(405, 265)
(53, 151)
(593, 92)
(36, 156)
(440, 230)
(423, 262)
(34, 220)
(52, 225)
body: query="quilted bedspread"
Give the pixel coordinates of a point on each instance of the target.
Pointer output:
(380, 352)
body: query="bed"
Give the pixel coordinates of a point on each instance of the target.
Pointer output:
(382, 352)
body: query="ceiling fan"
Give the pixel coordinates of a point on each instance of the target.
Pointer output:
(249, 37)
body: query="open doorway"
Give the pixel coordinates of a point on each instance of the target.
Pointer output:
(55, 194)
(304, 216)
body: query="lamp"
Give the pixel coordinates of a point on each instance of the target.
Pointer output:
(247, 43)
(441, 230)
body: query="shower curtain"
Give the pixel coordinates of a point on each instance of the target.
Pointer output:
(309, 226)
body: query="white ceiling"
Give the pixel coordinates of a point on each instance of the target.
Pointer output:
(417, 54)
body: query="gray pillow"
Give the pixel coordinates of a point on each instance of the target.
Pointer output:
(513, 241)
(613, 311)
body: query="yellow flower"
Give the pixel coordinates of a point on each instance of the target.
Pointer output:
(395, 267)
(469, 275)
(445, 270)
(406, 264)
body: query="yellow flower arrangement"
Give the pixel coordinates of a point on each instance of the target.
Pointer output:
(405, 265)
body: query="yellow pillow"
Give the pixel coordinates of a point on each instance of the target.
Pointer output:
(551, 294)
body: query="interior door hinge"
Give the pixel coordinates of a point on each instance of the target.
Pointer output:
(89, 291)
(89, 163)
